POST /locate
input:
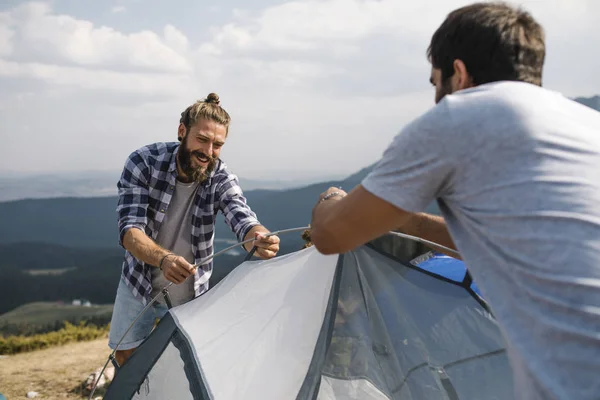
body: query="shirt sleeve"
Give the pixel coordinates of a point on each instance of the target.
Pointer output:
(232, 203)
(133, 191)
(417, 167)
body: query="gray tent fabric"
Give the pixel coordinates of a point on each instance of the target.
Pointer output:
(361, 325)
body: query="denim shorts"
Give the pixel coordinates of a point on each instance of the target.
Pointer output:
(126, 309)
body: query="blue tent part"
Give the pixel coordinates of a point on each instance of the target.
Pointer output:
(448, 267)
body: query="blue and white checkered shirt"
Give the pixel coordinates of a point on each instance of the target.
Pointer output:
(145, 190)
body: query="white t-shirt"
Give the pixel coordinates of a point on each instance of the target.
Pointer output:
(515, 169)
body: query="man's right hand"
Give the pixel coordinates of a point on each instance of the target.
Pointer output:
(176, 269)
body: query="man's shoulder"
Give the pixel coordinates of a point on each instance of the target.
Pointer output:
(507, 104)
(223, 174)
(513, 96)
(154, 153)
(156, 150)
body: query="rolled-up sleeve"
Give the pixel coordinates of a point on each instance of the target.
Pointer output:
(232, 203)
(132, 188)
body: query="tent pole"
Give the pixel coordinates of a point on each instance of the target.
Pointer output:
(420, 240)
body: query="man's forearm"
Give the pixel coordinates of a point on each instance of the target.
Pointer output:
(432, 228)
(143, 247)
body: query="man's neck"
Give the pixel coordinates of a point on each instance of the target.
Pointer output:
(181, 177)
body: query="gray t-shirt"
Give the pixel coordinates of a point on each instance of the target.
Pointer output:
(175, 234)
(515, 169)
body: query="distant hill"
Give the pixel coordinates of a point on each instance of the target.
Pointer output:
(592, 102)
(92, 222)
(40, 317)
(17, 186)
(66, 248)
(51, 273)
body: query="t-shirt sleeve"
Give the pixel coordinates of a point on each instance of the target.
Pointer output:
(418, 165)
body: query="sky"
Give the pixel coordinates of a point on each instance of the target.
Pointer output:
(314, 88)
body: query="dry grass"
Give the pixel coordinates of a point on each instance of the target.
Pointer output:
(55, 373)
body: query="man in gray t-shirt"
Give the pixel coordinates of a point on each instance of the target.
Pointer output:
(515, 169)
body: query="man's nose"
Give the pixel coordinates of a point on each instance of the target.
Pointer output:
(207, 148)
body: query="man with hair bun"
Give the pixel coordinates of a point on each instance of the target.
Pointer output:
(515, 170)
(169, 197)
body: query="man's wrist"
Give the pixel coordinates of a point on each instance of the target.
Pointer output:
(163, 259)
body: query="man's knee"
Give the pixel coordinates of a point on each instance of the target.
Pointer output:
(122, 355)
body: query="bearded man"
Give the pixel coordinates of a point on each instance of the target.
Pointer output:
(169, 198)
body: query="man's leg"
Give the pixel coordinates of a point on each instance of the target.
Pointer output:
(122, 355)
(126, 309)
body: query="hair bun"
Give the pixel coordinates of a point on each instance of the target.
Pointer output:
(213, 98)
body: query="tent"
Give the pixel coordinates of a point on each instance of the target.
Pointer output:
(367, 324)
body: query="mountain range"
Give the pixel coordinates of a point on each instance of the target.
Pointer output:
(16, 186)
(67, 248)
(91, 222)
(63, 248)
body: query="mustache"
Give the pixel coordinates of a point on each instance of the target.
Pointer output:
(202, 155)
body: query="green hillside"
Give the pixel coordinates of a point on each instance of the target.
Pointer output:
(39, 317)
(94, 278)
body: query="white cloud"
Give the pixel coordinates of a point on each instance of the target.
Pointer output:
(312, 24)
(302, 79)
(175, 39)
(63, 39)
(91, 79)
(6, 35)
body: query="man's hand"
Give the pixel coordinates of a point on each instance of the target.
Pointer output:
(266, 246)
(332, 193)
(176, 269)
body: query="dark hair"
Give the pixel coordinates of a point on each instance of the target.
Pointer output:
(495, 41)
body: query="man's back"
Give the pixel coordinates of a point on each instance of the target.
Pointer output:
(522, 202)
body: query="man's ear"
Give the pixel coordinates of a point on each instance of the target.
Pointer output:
(180, 132)
(461, 78)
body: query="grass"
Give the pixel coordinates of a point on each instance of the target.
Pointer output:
(55, 373)
(69, 333)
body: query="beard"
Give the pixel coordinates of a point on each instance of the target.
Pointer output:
(444, 90)
(194, 174)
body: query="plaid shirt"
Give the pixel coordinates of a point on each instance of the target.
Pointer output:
(145, 190)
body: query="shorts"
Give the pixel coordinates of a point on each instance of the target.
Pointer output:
(126, 309)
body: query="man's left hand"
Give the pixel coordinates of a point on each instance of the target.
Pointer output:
(266, 246)
(332, 193)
